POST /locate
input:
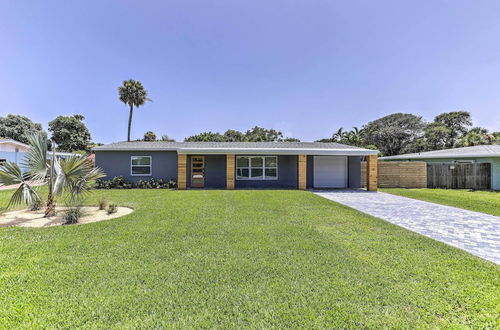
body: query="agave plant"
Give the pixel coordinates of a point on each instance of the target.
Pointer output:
(72, 175)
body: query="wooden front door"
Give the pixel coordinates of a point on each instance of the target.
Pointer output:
(197, 171)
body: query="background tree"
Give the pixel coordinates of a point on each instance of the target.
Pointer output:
(232, 135)
(18, 128)
(394, 134)
(206, 137)
(70, 133)
(165, 138)
(149, 136)
(457, 124)
(133, 94)
(477, 136)
(260, 134)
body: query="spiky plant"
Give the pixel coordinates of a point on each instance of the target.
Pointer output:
(132, 93)
(72, 175)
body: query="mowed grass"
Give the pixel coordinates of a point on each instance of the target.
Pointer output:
(235, 259)
(474, 200)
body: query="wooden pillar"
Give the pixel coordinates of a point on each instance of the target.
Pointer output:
(302, 172)
(181, 171)
(230, 160)
(371, 173)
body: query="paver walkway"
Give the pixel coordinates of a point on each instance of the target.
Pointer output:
(474, 232)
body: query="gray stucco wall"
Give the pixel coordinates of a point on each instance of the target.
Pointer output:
(354, 171)
(215, 171)
(116, 163)
(287, 176)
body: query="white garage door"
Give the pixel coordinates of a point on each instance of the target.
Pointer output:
(330, 172)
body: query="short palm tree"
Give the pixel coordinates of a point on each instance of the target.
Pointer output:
(132, 93)
(73, 175)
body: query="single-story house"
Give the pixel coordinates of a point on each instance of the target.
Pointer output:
(231, 165)
(476, 154)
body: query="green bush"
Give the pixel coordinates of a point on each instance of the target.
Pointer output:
(36, 205)
(112, 208)
(72, 214)
(119, 182)
(102, 204)
(156, 184)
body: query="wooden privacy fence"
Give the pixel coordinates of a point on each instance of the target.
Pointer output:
(459, 176)
(399, 174)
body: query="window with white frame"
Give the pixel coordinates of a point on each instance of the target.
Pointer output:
(140, 165)
(256, 168)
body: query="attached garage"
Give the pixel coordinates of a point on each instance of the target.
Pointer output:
(330, 172)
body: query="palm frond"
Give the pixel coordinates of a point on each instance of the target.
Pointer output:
(25, 194)
(75, 175)
(10, 173)
(36, 158)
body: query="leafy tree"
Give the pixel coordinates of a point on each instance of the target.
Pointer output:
(477, 136)
(18, 128)
(259, 134)
(394, 134)
(436, 136)
(149, 136)
(165, 138)
(256, 134)
(132, 93)
(73, 175)
(232, 135)
(206, 137)
(457, 123)
(70, 133)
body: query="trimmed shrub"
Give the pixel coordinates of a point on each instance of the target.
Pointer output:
(102, 204)
(156, 184)
(118, 182)
(72, 214)
(112, 208)
(36, 205)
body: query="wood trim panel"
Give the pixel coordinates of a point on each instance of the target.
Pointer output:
(230, 163)
(181, 172)
(302, 172)
(372, 172)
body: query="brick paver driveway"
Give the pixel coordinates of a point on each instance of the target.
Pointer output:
(474, 232)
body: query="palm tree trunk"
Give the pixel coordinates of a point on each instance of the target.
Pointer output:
(130, 121)
(50, 206)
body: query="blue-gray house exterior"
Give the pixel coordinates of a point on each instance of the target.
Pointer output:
(219, 164)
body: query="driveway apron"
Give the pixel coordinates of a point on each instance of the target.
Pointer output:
(474, 232)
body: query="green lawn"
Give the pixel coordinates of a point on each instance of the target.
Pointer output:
(232, 259)
(480, 201)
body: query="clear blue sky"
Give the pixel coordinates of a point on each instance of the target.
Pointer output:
(304, 67)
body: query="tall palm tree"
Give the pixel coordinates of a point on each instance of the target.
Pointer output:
(72, 175)
(132, 93)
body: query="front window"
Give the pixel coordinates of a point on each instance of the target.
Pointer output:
(257, 168)
(140, 165)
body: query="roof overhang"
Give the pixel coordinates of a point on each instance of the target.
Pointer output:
(278, 151)
(254, 151)
(438, 156)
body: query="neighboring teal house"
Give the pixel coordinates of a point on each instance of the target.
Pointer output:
(480, 154)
